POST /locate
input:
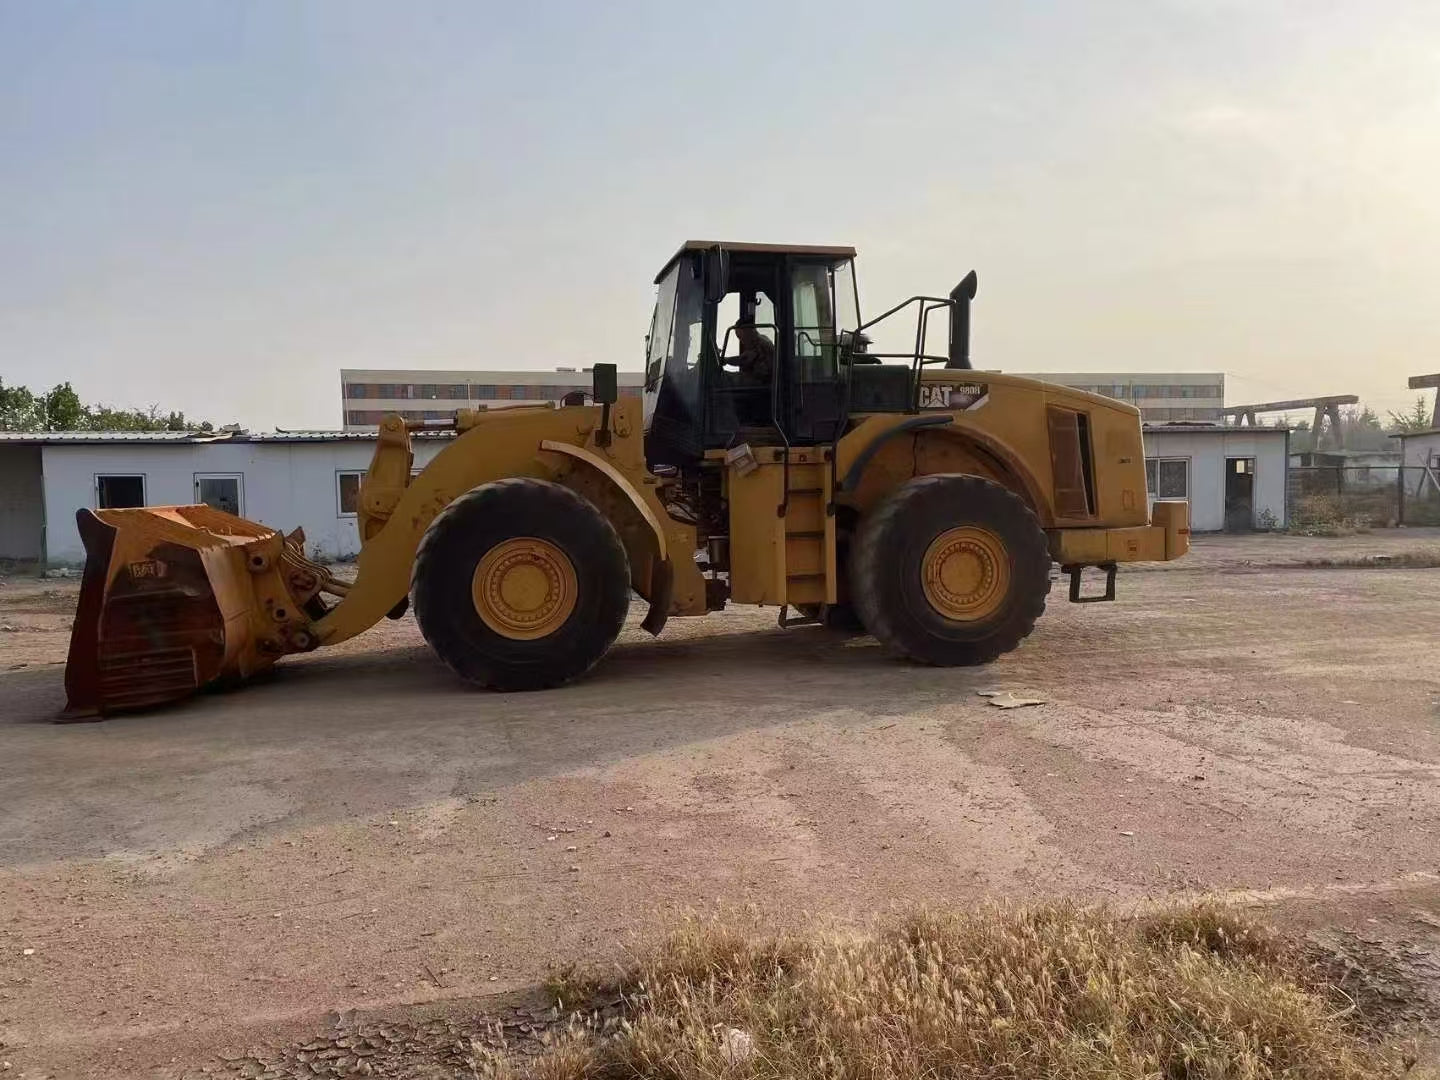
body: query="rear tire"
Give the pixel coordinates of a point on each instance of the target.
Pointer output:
(520, 584)
(951, 570)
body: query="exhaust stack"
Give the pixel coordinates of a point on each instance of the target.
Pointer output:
(961, 296)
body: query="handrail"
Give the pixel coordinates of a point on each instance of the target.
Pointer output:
(918, 357)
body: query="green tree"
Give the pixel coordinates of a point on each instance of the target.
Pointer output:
(62, 409)
(1415, 418)
(19, 411)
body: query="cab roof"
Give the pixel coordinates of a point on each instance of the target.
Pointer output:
(823, 251)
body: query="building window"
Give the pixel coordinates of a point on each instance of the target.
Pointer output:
(347, 491)
(1167, 478)
(221, 491)
(119, 492)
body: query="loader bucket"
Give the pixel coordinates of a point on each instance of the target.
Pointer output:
(174, 598)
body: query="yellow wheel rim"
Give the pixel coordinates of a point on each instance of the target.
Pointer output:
(966, 573)
(524, 588)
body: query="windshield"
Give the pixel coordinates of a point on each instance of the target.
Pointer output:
(657, 345)
(847, 302)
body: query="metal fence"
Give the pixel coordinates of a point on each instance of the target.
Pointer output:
(1364, 496)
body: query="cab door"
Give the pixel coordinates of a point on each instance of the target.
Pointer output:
(813, 392)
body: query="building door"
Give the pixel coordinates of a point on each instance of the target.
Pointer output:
(1239, 494)
(221, 491)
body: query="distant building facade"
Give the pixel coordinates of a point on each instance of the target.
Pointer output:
(1160, 397)
(368, 395)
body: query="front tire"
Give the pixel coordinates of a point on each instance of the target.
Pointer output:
(520, 584)
(951, 570)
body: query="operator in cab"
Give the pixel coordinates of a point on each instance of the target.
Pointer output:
(756, 358)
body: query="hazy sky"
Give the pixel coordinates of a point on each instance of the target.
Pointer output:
(216, 206)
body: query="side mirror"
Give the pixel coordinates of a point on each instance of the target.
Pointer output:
(717, 273)
(606, 384)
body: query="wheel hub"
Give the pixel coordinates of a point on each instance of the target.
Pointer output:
(966, 573)
(524, 588)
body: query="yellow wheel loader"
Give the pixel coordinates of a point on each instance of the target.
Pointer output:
(776, 458)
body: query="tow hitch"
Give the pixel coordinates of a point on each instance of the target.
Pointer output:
(1076, 571)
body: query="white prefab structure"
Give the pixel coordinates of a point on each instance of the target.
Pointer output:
(1234, 478)
(308, 479)
(22, 504)
(1419, 449)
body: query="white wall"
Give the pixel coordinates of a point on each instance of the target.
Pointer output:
(1207, 451)
(1420, 449)
(22, 509)
(284, 484)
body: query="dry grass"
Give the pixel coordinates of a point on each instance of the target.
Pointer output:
(1054, 992)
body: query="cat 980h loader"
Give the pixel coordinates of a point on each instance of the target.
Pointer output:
(776, 458)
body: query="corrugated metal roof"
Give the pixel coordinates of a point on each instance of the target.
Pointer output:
(114, 436)
(171, 438)
(333, 436)
(1217, 429)
(307, 436)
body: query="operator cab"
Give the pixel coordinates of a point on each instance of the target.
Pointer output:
(743, 347)
(763, 344)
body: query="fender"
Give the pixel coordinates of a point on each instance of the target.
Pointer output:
(663, 572)
(943, 427)
(616, 477)
(852, 476)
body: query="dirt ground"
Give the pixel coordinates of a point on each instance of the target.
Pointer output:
(358, 832)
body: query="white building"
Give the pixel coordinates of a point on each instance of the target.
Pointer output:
(1420, 489)
(1420, 449)
(367, 395)
(1235, 478)
(309, 479)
